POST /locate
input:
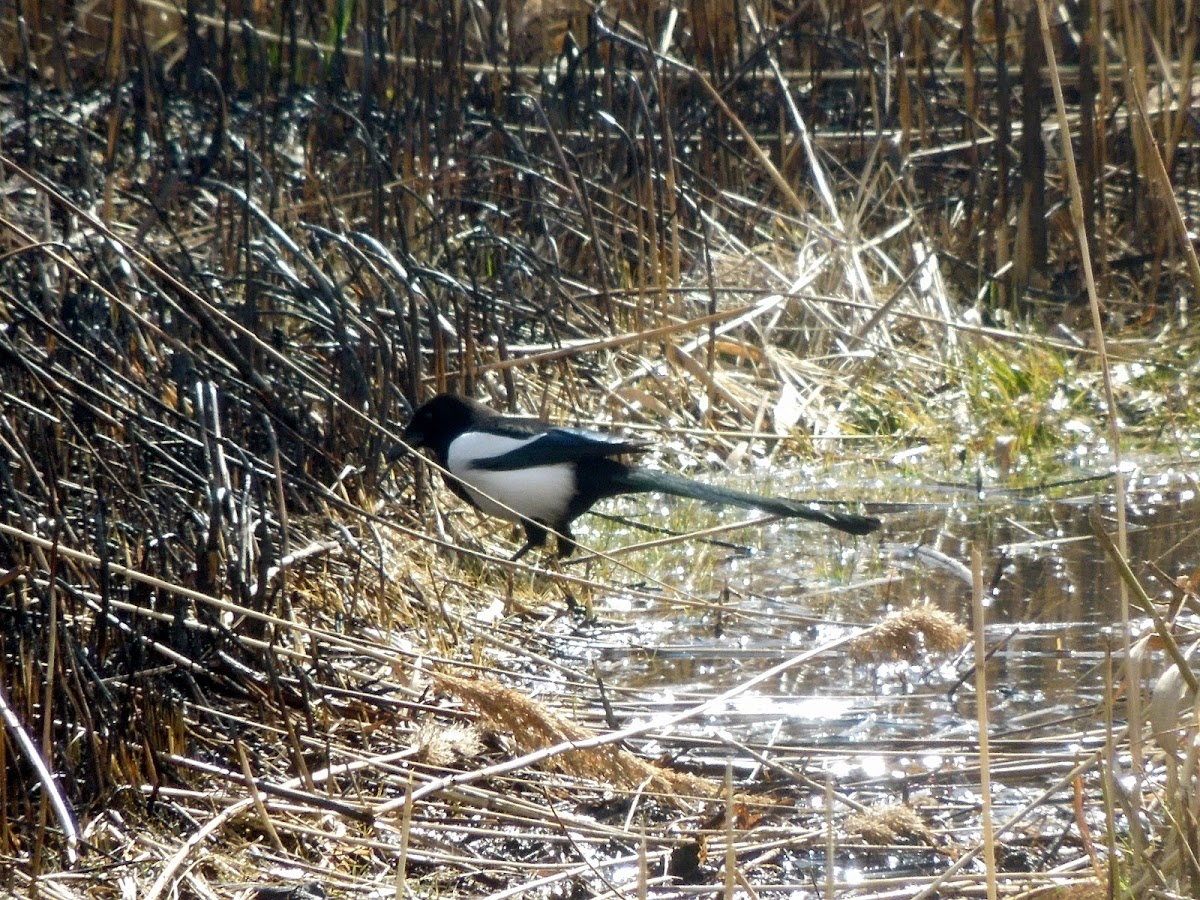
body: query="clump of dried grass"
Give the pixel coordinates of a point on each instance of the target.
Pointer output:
(1084, 890)
(910, 634)
(444, 744)
(892, 823)
(531, 726)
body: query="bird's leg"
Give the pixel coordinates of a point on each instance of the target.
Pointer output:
(535, 536)
(566, 542)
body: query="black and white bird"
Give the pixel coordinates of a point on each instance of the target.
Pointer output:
(546, 476)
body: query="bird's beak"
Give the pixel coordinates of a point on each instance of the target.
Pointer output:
(413, 437)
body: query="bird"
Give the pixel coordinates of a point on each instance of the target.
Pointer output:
(545, 476)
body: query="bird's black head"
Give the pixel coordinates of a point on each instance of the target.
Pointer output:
(439, 421)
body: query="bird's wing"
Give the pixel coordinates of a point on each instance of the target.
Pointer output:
(560, 445)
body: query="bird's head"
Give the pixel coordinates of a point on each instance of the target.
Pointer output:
(437, 422)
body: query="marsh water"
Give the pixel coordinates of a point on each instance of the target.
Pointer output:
(888, 729)
(1052, 607)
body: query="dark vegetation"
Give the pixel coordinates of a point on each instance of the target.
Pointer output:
(238, 242)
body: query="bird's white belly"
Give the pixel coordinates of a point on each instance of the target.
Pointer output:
(541, 493)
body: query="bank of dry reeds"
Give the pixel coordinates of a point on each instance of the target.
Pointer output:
(238, 242)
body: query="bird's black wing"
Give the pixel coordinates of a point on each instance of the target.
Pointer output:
(555, 446)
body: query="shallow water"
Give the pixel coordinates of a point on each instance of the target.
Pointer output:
(683, 624)
(1053, 614)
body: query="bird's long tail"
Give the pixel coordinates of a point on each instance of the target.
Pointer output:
(644, 480)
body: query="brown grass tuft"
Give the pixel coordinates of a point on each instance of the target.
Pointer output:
(1086, 890)
(443, 745)
(910, 634)
(531, 726)
(890, 824)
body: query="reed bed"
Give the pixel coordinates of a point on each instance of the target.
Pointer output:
(238, 655)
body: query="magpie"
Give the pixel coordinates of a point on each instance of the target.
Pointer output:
(546, 476)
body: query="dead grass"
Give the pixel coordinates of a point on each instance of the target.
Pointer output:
(888, 825)
(236, 652)
(531, 727)
(910, 635)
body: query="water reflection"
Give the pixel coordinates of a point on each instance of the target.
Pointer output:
(1053, 618)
